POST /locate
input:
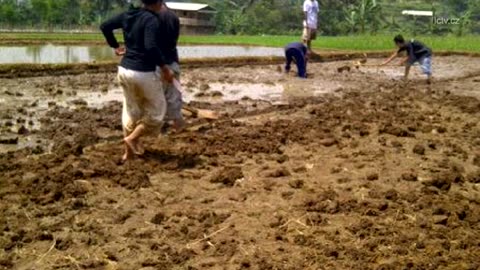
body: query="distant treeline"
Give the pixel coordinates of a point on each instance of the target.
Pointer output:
(337, 17)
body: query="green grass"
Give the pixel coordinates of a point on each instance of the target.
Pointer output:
(348, 43)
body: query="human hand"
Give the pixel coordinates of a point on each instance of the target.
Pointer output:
(167, 74)
(120, 51)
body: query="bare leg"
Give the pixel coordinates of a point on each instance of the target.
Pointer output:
(429, 79)
(179, 124)
(132, 140)
(407, 72)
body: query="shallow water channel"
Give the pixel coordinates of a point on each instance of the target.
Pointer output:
(60, 54)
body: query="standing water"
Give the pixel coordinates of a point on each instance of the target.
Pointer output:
(58, 54)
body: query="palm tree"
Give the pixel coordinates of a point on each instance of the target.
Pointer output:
(365, 13)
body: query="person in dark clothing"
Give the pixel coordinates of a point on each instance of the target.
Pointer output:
(169, 33)
(144, 106)
(298, 52)
(416, 52)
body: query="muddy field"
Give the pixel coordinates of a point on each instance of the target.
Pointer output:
(352, 170)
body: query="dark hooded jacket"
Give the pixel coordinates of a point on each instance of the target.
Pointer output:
(143, 44)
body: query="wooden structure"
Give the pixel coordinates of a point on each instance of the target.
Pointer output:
(195, 19)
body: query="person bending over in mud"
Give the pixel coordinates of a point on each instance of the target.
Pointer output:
(416, 52)
(169, 33)
(144, 105)
(298, 52)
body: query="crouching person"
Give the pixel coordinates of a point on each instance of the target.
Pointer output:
(144, 105)
(297, 52)
(416, 52)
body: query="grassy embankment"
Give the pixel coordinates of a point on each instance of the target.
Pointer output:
(347, 43)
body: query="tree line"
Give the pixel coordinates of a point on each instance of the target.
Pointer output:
(337, 17)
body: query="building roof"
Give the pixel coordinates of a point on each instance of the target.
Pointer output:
(418, 13)
(189, 6)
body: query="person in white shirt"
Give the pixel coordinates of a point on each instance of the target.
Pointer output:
(311, 10)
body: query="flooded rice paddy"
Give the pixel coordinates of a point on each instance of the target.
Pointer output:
(60, 54)
(352, 170)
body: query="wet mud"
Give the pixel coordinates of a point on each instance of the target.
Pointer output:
(369, 174)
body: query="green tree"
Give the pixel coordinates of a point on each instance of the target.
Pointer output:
(8, 12)
(365, 14)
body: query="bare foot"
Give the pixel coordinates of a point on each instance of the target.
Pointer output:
(125, 157)
(128, 154)
(179, 125)
(134, 147)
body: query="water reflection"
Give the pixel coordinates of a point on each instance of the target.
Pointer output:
(58, 54)
(54, 54)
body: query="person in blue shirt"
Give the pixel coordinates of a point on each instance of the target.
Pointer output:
(416, 52)
(297, 52)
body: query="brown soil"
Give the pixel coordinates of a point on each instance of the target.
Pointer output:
(376, 176)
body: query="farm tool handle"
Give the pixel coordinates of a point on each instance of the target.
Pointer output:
(191, 110)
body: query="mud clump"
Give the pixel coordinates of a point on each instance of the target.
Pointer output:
(13, 140)
(373, 176)
(227, 176)
(328, 142)
(474, 177)
(145, 212)
(22, 130)
(79, 102)
(276, 173)
(409, 177)
(204, 87)
(391, 195)
(216, 94)
(296, 184)
(440, 220)
(77, 144)
(466, 104)
(443, 181)
(395, 131)
(419, 149)
(159, 218)
(133, 180)
(476, 160)
(344, 69)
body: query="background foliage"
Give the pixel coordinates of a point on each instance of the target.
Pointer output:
(254, 17)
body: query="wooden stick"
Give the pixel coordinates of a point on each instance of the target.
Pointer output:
(199, 113)
(45, 254)
(378, 65)
(207, 237)
(207, 114)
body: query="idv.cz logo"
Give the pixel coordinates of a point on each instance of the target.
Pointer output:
(442, 20)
